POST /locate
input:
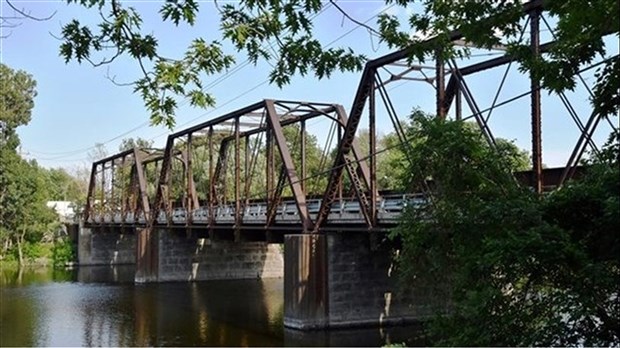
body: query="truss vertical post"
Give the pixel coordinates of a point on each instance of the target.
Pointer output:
(211, 181)
(112, 183)
(459, 104)
(132, 200)
(270, 168)
(221, 171)
(189, 176)
(340, 182)
(535, 98)
(123, 188)
(103, 202)
(372, 109)
(237, 178)
(440, 84)
(247, 168)
(302, 134)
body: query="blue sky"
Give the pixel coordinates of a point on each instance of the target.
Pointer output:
(77, 106)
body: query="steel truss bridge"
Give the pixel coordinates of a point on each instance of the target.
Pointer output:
(250, 169)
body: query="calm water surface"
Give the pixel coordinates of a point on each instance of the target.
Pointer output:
(101, 306)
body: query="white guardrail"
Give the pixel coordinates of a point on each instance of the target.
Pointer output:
(389, 209)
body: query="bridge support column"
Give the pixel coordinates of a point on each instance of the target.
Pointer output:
(338, 280)
(105, 246)
(177, 257)
(147, 255)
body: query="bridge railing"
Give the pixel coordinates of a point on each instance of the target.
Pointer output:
(389, 210)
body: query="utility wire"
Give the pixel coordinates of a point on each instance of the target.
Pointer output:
(267, 80)
(218, 80)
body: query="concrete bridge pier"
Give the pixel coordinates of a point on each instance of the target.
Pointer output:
(337, 280)
(105, 246)
(165, 254)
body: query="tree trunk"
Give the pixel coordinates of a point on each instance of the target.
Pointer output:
(20, 242)
(6, 246)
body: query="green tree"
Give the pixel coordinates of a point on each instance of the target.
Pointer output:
(16, 100)
(513, 268)
(130, 143)
(62, 186)
(394, 169)
(24, 216)
(518, 159)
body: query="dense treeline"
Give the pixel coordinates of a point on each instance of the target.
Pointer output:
(27, 226)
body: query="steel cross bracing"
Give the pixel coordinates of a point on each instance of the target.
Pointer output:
(208, 174)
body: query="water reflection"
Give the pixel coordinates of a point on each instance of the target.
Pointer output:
(101, 306)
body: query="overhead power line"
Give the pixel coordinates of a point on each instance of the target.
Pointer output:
(219, 80)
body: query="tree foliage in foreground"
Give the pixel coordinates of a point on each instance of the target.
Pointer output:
(517, 269)
(281, 32)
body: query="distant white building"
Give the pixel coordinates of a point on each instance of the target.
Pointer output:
(64, 209)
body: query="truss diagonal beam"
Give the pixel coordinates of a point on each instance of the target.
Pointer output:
(298, 194)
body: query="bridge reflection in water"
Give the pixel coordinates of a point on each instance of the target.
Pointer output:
(101, 306)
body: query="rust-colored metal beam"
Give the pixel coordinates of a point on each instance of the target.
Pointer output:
(88, 209)
(211, 194)
(144, 198)
(535, 99)
(162, 188)
(372, 150)
(287, 160)
(219, 174)
(440, 85)
(270, 169)
(237, 183)
(302, 155)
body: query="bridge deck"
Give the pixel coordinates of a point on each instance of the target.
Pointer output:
(344, 214)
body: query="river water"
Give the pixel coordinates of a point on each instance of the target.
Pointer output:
(101, 306)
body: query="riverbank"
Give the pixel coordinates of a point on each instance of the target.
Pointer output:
(59, 253)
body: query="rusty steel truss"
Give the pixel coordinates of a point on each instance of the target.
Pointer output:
(118, 186)
(248, 130)
(234, 145)
(373, 82)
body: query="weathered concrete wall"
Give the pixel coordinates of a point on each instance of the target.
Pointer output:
(185, 259)
(338, 280)
(105, 247)
(362, 289)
